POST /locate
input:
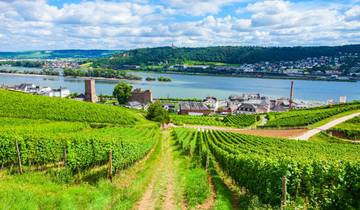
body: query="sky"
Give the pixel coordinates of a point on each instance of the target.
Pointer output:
(128, 24)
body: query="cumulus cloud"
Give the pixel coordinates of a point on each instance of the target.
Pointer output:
(353, 14)
(199, 7)
(36, 24)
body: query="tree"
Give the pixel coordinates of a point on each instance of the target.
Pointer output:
(157, 113)
(122, 92)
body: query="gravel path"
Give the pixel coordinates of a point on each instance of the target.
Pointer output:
(325, 127)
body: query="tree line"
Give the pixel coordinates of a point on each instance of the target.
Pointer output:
(222, 54)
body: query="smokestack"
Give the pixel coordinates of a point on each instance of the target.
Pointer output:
(291, 94)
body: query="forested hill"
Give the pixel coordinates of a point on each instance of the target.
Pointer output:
(225, 54)
(52, 54)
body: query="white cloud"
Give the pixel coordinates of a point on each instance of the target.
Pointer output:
(199, 7)
(34, 24)
(353, 14)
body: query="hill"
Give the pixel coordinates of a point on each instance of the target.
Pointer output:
(220, 54)
(52, 54)
(21, 105)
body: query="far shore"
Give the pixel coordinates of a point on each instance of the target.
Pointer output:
(54, 76)
(180, 73)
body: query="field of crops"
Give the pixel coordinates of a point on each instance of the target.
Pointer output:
(196, 120)
(348, 130)
(305, 117)
(79, 145)
(324, 175)
(21, 105)
(240, 120)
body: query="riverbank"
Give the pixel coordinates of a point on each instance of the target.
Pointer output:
(244, 76)
(281, 77)
(196, 86)
(56, 76)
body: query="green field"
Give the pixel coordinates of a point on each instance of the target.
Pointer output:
(22, 105)
(64, 147)
(321, 175)
(239, 121)
(306, 117)
(348, 130)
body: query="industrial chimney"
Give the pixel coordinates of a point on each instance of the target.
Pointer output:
(291, 95)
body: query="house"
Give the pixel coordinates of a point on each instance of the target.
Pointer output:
(142, 96)
(211, 102)
(226, 107)
(194, 108)
(255, 106)
(244, 97)
(280, 105)
(246, 108)
(169, 107)
(61, 92)
(134, 105)
(25, 87)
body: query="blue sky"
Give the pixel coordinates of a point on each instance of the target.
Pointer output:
(120, 24)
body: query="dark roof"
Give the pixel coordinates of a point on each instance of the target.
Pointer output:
(194, 106)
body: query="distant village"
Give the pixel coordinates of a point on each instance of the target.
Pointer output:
(61, 92)
(316, 68)
(140, 99)
(324, 67)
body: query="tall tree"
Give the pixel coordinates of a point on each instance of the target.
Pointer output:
(122, 92)
(157, 113)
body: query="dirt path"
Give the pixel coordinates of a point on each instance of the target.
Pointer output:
(160, 194)
(280, 133)
(327, 126)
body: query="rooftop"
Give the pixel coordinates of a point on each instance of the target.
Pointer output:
(193, 106)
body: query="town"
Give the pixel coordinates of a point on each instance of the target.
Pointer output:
(323, 67)
(245, 103)
(343, 67)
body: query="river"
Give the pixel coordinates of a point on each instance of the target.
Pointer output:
(195, 86)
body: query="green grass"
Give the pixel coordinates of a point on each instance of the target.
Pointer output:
(196, 186)
(326, 138)
(22, 105)
(312, 117)
(223, 193)
(323, 122)
(132, 183)
(258, 163)
(38, 191)
(191, 180)
(236, 121)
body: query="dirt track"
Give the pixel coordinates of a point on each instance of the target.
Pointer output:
(280, 133)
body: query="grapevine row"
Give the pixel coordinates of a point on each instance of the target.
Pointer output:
(326, 174)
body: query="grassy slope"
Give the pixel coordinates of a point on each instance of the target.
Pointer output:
(21, 105)
(47, 190)
(38, 191)
(323, 122)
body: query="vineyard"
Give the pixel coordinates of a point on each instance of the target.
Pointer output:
(348, 130)
(76, 144)
(240, 120)
(305, 117)
(323, 175)
(21, 105)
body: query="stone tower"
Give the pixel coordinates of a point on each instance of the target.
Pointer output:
(90, 93)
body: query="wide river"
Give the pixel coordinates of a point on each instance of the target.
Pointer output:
(194, 86)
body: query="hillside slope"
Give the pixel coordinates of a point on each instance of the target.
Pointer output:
(21, 105)
(222, 54)
(52, 54)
